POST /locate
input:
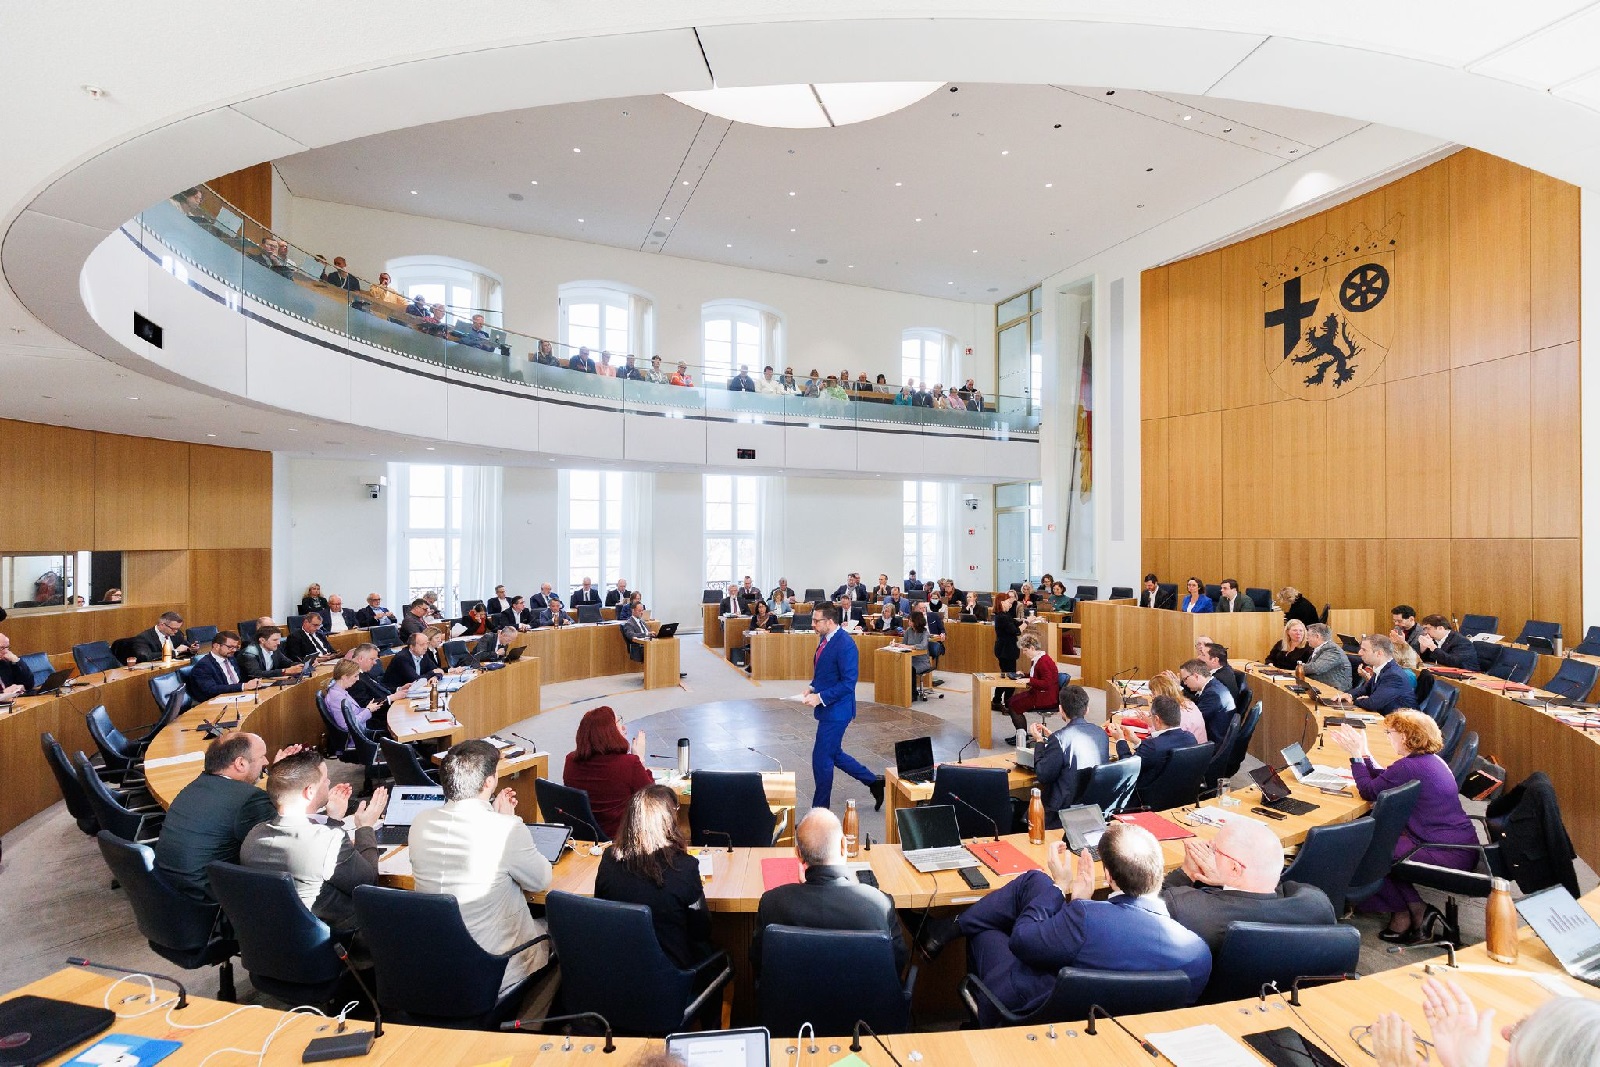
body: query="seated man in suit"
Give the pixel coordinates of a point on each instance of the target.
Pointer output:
(1232, 599)
(1153, 596)
(493, 646)
(1063, 760)
(1216, 704)
(912, 584)
(1234, 878)
(1406, 629)
(1021, 934)
(748, 593)
(211, 816)
(161, 642)
(412, 662)
(415, 619)
(309, 640)
(15, 678)
(637, 630)
(374, 614)
(325, 863)
(340, 618)
(1442, 645)
(852, 589)
(1328, 663)
(215, 673)
(370, 685)
(1215, 657)
(516, 616)
(540, 600)
(475, 848)
(498, 604)
(586, 595)
(619, 596)
(554, 615)
(262, 659)
(830, 897)
(731, 604)
(1384, 686)
(1166, 735)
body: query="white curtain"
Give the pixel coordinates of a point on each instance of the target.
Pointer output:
(953, 519)
(638, 534)
(771, 524)
(481, 532)
(641, 327)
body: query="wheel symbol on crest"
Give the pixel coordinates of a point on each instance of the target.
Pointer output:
(1364, 288)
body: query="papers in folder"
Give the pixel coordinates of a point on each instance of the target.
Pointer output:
(1202, 1046)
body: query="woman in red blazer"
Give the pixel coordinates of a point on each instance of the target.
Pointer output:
(603, 765)
(1043, 694)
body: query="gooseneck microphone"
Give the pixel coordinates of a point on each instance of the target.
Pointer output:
(183, 993)
(718, 833)
(533, 746)
(979, 812)
(528, 1024)
(855, 1040)
(341, 1045)
(962, 750)
(598, 836)
(1096, 1011)
(762, 754)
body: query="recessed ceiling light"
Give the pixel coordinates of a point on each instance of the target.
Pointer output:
(666, 218)
(850, 266)
(294, 429)
(974, 251)
(1005, 151)
(133, 398)
(580, 220)
(949, 283)
(1049, 185)
(1186, 118)
(898, 184)
(791, 192)
(534, 182)
(919, 220)
(577, 150)
(791, 229)
(430, 448)
(211, 435)
(413, 192)
(684, 183)
(730, 246)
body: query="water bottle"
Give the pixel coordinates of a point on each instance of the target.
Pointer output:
(1500, 918)
(852, 830)
(683, 756)
(1035, 817)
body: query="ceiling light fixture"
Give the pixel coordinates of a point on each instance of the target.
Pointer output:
(1049, 185)
(806, 106)
(580, 220)
(898, 184)
(791, 192)
(1005, 151)
(577, 150)
(919, 220)
(534, 182)
(413, 192)
(1186, 118)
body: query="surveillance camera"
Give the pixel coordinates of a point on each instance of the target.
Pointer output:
(375, 484)
(374, 491)
(971, 502)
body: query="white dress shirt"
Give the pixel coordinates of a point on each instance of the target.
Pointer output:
(486, 861)
(336, 622)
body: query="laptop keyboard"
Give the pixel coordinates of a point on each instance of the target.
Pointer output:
(393, 835)
(1290, 806)
(1325, 780)
(941, 859)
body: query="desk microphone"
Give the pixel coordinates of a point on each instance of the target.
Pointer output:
(526, 1024)
(1096, 1011)
(855, 1040)
(980, 812)
(183, 994)
(1310, 979)
(533, 746)
(341, 1046)
(598, 836)
(774, 759)
(964, 747)
(718, 833)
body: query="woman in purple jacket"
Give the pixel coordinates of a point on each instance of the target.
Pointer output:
(1437, 818)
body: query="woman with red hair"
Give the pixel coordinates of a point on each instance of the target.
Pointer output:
(602, 765)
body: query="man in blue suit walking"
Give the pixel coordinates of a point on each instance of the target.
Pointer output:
(832, 695)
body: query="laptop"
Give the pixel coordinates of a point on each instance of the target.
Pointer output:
(1349, 644)
(913, 759)
(549, 838)
(1566, 930)
(516, 653)
(1544, 645)
(1082, 827)
(588, 613)
(405, 805)
(1308, 773)
(669, 629)
(930, 838)
(1275, 793)
(750, 1047)
(56, 680)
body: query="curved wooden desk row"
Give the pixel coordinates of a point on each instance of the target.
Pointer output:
(1333, 1012)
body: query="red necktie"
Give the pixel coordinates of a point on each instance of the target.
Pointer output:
(820, 646)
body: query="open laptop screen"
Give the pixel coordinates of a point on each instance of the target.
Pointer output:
(913, 755)
(1566, 929)
(1083, 826)
(930, 826)
(722, 1048)
(410, 801)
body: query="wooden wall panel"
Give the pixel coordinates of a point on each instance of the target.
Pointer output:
(249, 190)
(1492, 577)
(39, 456)
(1420, 204)
(1355, 573)
(1194, 336)
(1490, 254)
(1299, 432)
(1156, 558)
(1249, 454)
(1243, 355)
(224, 586)
(1556, 565)
(1356, 443)
(141, 493)
(1194, 467)
(1199, 557)
(1491, 444)
(148, 577)
(1555, 261)
(230, 498)
(1554, 421)
(1157, 478)
(1419, 575)
(1417, 419)
(1154, 306)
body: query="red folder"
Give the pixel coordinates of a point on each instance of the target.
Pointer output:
(1002, 857)
(780, 870)
(1164, 829)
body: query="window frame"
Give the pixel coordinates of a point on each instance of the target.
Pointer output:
(606, 532)
(743, 541)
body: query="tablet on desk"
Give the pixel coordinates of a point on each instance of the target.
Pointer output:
(722, 1048)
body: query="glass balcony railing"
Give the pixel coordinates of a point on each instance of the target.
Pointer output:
(203, 233)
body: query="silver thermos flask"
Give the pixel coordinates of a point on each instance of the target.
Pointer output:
(683, 756)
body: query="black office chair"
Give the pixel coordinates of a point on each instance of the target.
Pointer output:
(800, 621)
(38, 666)
(570, 807)
(1329, 856)
(633, 649)
(1087, 592)
(1253, 954)
(816, 596)
(1545, 631)
(442, 977)
(1390, 811)
(1122, 592)
(1262, 598)
(349, 742)
(1488, 655)
(293, 624)
(1450, 733)
(458, 652)
(831, 979)
(202, 635)
(1590, 645)
(247, 630)
(127, 816)
(659, 997)
(179, 928)
(118, 755)
(1424, 686)
(1574, 680)
(73, 794)
(1514, 664)
(986, 789)
(1178, 784)
(289, 953)
(1465, 758)
(405, 765)
(1214, 592)
(1440, 702)
(1241, 741)
(1327, 610)
(730, 808)
(1118, 992)
(1472, 625)
(92, 657)
(1167, 593)
(386, 637)
(1218, 767)
(1110, 785)
(468, 605)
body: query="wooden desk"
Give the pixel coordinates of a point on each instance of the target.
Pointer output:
(866, 646)
(345, 640)
(1119, 636)
(899, 793)
(787, 656)
(661, 663)
(711, 625)
(891, 677)
(983, 690)
(733, 633)
(567, 653)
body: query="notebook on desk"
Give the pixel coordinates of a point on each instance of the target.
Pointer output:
(1163, 829)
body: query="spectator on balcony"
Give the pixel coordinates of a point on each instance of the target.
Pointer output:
(904, 397)
(767, 385)
(340, 278)
(834, 390)
(630, 371)
(812, 386)
(882, 384)
(605, 369)
(922, 398)
(862, 384)
(789, 383)
(742, 382)
(477, 335)
(954, 402)
(937, 398)
(418, 307)
(383, 291)
(435, 324)
(682, 376)
(582, 361)
(546, 355)
(656, 374)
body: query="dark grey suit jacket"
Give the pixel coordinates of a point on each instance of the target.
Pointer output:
(325, 865)
(1207, 910)
(208, 820)
(829, 899)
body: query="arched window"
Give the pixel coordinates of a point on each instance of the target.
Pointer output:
(736, 333)
(927, 357)
(465, 289)
(607, 317)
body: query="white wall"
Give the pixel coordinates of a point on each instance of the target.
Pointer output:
(337, 535)
(528, 516)
(827, 325)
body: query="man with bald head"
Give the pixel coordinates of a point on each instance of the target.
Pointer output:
(830, 897)
(1234, 878)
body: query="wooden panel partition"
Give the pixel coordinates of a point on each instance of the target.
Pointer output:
(1445, 472)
